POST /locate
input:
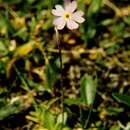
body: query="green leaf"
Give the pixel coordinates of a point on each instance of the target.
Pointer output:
(90, 26)
(50, 77)
(118, 29)
(10, 109)
(59, 118)
(88, 89)
(49, 120)
(123, 98)
(2, 47)
(22, 33)
(94, 7)
(127, 20)
(6, 22)
(115, 127)
(70, 102)
(114, 110)
(106, 22)
(112, 49)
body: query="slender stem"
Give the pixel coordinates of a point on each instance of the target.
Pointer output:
(87, 121)
(61, 73)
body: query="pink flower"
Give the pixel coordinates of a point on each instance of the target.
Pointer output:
(67, 16)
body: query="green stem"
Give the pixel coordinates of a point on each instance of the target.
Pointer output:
(61, 73)
(87, 121)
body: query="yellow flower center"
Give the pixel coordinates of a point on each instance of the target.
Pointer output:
(67, 15)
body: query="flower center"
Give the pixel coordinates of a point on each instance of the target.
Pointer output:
(67, 16)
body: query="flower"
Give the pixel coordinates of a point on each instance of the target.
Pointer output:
(67, 16)
(67, 1)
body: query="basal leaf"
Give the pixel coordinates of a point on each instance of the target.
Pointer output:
(88, 89)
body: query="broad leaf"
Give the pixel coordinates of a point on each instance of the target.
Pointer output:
(88, 89)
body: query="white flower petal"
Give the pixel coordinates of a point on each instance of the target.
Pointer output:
(58, 11)
(59, 23)
(66, 2)
(79, 13)
(71, 7)
(72, 25)
(77, 16)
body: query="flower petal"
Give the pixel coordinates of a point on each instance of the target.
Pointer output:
(72, 25)
(79, 13)
(59, 23)
(58, 11)
(77, 16)
(66, 2)
(71, 7)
